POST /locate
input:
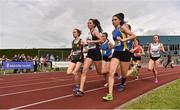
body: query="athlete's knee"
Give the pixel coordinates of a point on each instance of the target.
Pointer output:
(100, 72)
(111, 75)
(104, 71)
(85, 70)
(150, 69)
(69, 72)
(75, 72)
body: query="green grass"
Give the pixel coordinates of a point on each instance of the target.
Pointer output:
(7, 72)
(167, 97)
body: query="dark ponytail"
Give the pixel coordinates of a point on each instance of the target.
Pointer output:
(120, 16)
(138, 41)
(129, 26)
(97, 23)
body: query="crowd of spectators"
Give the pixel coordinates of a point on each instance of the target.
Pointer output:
(42, 63)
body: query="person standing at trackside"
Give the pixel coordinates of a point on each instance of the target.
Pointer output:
(93, 54)
(22, 59)
(76, 57)
(121, 55)
(106, 48)
(15, 59)
(154, 51)
(35, 63)
(41, 63)
(169, 61)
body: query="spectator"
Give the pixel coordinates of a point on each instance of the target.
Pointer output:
(51, 59)
(41, 62)
(57, 58)
(175, 52)
(169, 61)
(22, 58)
(46, 64)
(15, 59)
(28, 59)
(35, 62)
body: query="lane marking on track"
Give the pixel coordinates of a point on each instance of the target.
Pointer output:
(57, 80)
(46, 88)
(15, 93)
(27, 80)
(53, 78)
(39, 78)
(1, 79)
(70, 95)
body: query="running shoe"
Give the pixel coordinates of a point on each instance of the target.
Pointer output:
(137, 78)
(108, 97)
(135, 72)
(120, 88)
(116, 74)
(78, 93)
(76, 88)
(138, 65)
(106, 85)
(120, 77)
(156, 81)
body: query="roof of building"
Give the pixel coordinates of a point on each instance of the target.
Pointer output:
(171, 39)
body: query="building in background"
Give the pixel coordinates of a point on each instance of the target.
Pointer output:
(171, 43)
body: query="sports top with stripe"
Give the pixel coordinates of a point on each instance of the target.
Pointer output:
(121, 49)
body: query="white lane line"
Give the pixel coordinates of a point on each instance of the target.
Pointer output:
(46, 88)
(33, 79)
(15, 93)
(57, 80)
(39, 78)
(27, 84)
(70, 95)
(8, 82)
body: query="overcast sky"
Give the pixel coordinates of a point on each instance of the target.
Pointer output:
(49, 23)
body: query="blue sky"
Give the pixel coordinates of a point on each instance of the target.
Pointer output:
(49, 23)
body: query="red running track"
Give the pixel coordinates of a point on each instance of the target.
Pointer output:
(54, 90)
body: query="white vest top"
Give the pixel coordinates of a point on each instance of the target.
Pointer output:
(155, 50)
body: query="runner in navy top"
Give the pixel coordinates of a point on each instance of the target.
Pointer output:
(106, 48)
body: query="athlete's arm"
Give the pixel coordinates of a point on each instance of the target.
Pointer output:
(111, 46)
(70, 54)
(134, 49)
(98, 35)
(83, 43)
(130, 34)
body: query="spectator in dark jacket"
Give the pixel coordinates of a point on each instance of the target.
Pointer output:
(15, 59)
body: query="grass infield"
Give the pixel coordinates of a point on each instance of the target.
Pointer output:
(166, 97)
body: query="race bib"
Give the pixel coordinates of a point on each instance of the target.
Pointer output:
(117, 43)
(75, 53)
(91, 46)
(104, 52)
